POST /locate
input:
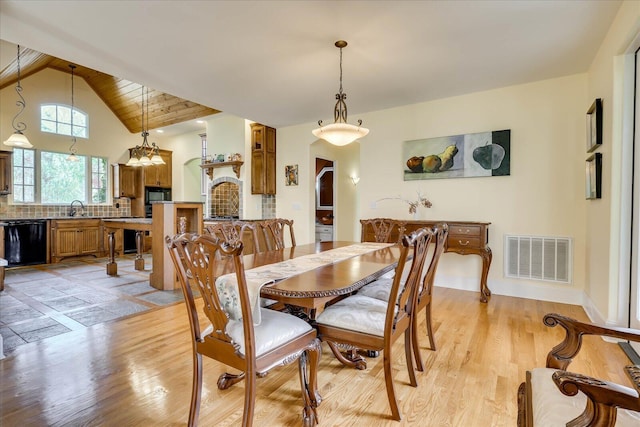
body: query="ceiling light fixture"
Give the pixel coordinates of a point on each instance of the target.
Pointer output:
(340, 132)
(145, 154)
(18, 138)
(72, 149)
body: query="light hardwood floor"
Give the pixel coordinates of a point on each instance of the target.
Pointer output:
(137, 372)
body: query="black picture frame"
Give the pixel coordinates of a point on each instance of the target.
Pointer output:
(593, 177)
(594, 125)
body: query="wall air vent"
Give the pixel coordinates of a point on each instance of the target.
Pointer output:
(538, 258)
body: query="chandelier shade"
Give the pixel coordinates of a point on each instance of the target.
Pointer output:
(18, 138)
(340, 132)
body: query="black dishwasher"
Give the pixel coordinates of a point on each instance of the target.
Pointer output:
(25, 242)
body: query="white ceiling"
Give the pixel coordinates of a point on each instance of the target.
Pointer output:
(275, 61)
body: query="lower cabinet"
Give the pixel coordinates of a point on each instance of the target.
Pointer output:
(74, 237)
(324, 233)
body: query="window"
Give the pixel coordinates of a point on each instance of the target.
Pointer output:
(61, 181)
(24, 175)
(55, 118)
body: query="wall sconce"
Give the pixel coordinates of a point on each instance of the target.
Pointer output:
(355, 179)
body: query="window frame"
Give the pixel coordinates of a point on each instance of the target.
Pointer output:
(58, 123)
(88, 181)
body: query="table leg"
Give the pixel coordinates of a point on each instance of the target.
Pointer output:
(139, 262)
(485, 293)
(352, 358)
(112, 267)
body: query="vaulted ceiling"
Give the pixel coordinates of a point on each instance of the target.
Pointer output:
(122, 96)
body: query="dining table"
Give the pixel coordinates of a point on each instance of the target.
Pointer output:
(339, 269)
(309, 289)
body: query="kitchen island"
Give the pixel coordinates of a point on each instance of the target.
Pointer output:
(112, 225)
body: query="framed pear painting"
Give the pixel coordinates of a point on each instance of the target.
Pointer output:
(458, 156)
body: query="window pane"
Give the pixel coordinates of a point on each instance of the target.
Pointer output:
(17, 193)
(29, 158)
(64, 129)
(79, 118)
(18, 175)
(48, 112)
(29, 194)
(48, 126)
(64, 114)
(29, 176)
(62, 181)
(18, 154)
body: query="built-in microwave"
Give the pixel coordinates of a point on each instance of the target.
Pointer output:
(155, 194)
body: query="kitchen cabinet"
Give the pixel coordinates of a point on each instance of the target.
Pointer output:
(158, 175)
(324, 233)
(263, 159)
(74, 237)
(125, 180)
(5, 172)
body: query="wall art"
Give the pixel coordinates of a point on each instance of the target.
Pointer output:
(458, 156)
(594, 125)
(291, 175)
(593, 177)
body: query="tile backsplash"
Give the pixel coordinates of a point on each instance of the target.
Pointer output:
(120, 208)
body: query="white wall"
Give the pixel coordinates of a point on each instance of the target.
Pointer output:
(544, 195)
(605, 229)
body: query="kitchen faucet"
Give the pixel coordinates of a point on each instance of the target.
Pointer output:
(72, 210)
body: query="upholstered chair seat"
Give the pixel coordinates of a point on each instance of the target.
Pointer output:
(275, 329)
(552, 408)
(553, 396)
(358, 313)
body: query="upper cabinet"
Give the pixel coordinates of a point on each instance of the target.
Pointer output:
(124, 181)
(5, 172)
(263, 159)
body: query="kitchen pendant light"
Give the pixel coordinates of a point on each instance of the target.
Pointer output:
(145, 154)
(72, 149)
(340, 132)
(18, 138)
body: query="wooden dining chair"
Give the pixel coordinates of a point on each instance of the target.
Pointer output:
(274, 232)
(383, 229)
(235, 231)
(552, 396)
(367, 323)
(279, 338)
(425, 290)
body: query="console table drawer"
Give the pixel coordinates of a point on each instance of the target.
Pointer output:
(464, 230)
(463, 242)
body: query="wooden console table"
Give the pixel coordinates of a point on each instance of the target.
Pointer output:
(465, 238)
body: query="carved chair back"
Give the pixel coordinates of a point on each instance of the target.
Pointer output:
(235, 231)
(425, 289)
(238, 343)
(382, 228)
(274, 233)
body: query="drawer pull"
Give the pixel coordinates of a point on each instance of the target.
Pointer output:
(463, 244)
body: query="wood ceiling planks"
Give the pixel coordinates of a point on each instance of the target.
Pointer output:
(121, 96)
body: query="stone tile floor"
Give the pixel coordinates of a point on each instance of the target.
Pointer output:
(44, 301)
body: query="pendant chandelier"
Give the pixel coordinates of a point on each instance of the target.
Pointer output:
(18, 138)
(145, 154)
(72, 149)
(340, 132)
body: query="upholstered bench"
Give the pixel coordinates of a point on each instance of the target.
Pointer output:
(552, 396)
